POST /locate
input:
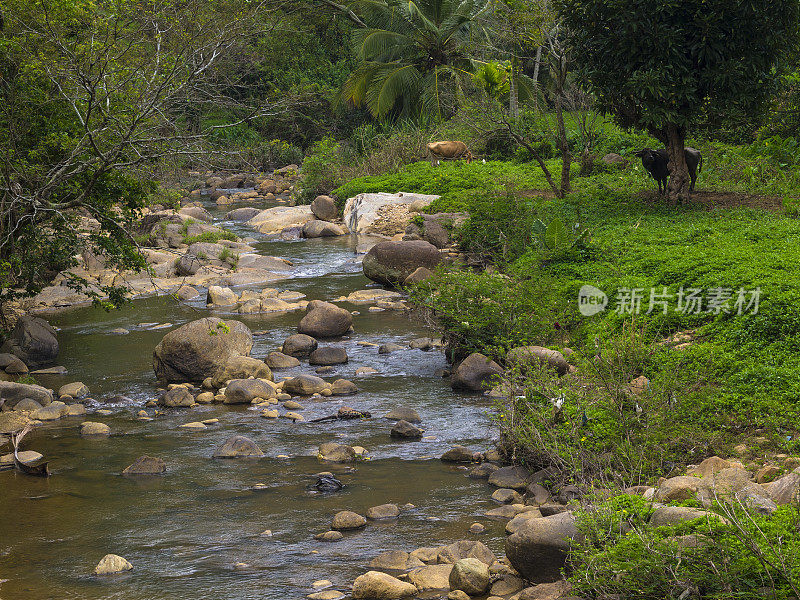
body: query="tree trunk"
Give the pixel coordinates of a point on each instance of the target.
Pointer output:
(678, 187)
(536, 65)
(566, 158)
(513, 93)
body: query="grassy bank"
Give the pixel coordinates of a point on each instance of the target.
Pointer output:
(733, 377)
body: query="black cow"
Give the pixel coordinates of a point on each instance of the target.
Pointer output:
(656, 162)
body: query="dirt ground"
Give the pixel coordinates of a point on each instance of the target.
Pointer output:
(724, 200)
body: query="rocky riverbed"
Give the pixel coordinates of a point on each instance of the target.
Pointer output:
(279, 426)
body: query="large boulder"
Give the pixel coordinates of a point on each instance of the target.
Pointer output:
(476, 373)
(325, 320)
(785, 490)
(238, 446)
(305, 385)
(241, 367)
(526, 357)
(199, 255)
(374, 585)
(13, 392)
(390, 263)
(328, 355)
(198, 349)
(436, 228)
(538, 550)
(299, 345)
(242, 214)
(324, 208)
(244, 391)
(275, 220)
(221, 296)
(381, 212)
(279, 360)
(470, 575)
(33, 341)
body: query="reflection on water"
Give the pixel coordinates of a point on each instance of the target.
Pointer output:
(185, 532)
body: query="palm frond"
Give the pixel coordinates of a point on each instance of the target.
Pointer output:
(390, 83)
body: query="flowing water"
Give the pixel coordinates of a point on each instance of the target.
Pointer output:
(188, 532)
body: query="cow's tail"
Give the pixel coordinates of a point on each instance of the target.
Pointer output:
(700, 166)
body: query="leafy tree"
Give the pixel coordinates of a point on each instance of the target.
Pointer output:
(662, 65)
(414, 56)
(91, 96)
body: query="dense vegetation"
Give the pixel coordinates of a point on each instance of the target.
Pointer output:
(101, 101)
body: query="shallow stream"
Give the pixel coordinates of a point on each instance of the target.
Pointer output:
(185, 532)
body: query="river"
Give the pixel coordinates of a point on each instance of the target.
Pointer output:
(195, 532)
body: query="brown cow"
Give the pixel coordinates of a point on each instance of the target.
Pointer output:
(450, 150)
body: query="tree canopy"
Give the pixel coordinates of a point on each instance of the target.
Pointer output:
(662, 65)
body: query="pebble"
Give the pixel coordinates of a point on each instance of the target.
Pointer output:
(476, 528)
(292, 405)
(293, 416)
(270, 414)
(321, 583)
(329, 536)
(103, 411)
(193, 425)
(266, 533)
(210, 421)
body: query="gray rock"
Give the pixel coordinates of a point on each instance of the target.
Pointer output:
(241, 367)
(507, 496)
(244, 391)
(325, 320)
(329, 536)
(470, 575)
(374, 585)
(347, 519)
(343, 387)
(324, 208)
(529, 357)
(405, 430)
(176, 397)
(146, 465)
(26, 404)
(389, 348)
(431, 578)
(315, 229)
(279, 360)
(458, 454)
(515, 478)
(92, 428)
(328, 355)
(383, 511)
(418, 276)
(242, 214)
(395, 560)
(403, 413)
(390, 263)
(51, 412)
(299, 345)
(76, 390)
(305, 385)
(196, 350)
(333, 452)
(13, 392)
(466, 549)
(538, 550)
(33, 341)
(476, 373)
(238, 446)
(112, 563)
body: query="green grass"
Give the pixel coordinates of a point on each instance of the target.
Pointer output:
(740, 377)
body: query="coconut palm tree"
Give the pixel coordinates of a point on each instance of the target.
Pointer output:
(414, 56)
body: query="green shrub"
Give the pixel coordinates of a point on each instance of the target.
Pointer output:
(749, 556)
(211, 236)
